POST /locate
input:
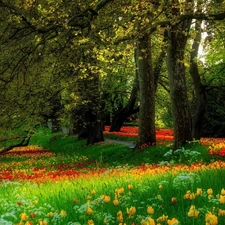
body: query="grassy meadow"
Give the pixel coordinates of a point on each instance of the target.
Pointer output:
(58, 180)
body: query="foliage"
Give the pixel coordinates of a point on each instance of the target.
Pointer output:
(44, 187)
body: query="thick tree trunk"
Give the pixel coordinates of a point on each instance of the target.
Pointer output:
(121, 115)
(147, 133)
(199, 88)
(94, 128)
(89, 112)
(128, 110)
(23, 142)
(55, 125)
(175, 63)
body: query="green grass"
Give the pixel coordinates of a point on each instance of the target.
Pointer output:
(122, 167)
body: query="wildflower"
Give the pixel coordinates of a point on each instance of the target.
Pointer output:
(50, 214)
(131, 211)
(75, 200)
(151, 221)
(63, 213)
(24, 216)
(93, 192)
(199, 191)
(32, 215)
(130, 186)
(221, 212)
(116, 202)
(162, 218)
(210, 191)
(160, 186)
(222, 199)
(174, 221)
(223, 191)
(28, 223)
(143, 222)
(91, 222)
(187, 195)
(106, 221)
(107, 199)
(150, 210)
(119, 191)
(210, 197)
(89, 211)
(211, 219)
(43, 222)
(173, 200)
(35, 201)
(193, 212)
(120, 216)
(89, 197)
(192, 196)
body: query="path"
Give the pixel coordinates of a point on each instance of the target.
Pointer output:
(127, 143)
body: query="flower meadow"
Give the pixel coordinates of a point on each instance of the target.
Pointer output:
(41, 187)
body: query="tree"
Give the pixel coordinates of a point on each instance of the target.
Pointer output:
(129, 109)
(177, 39)
(147, 133)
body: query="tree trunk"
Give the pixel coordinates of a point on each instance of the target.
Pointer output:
(121, 115)
(177, 38)
(94, 127)
(128, 110)
(199, 88)
(147, 133)
(22, 143)
(55, 125)
(89, 111)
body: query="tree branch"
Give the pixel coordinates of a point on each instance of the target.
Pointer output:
(101, 4)
(23, 142)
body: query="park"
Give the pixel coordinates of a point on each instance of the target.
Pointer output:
(112, 112)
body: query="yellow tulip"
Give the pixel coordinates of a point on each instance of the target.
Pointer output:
(24, 216)
(162, 218)
(131, 211)
(221, 212)
(223, 191)
(91, 222)
(174, 221)
(107, 199)
(89, 211)
(116, 202)
(222, 199)
(199, 191)
(63, 213)
(151, 221)
(211, 219)
(130, 186)
(150, 210)
(210, 191)
(50, 214)
(193, 212)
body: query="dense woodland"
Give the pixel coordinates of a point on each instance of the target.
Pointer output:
(83, 64)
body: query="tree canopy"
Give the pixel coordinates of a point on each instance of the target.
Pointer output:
(78, 62)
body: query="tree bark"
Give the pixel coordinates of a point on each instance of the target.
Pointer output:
(177, 38)
(147, 133)
(23, 142)
(198, 86)
(128, 110)
(121, 115)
